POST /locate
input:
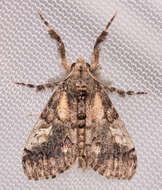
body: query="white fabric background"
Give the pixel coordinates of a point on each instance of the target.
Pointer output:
(131, 57)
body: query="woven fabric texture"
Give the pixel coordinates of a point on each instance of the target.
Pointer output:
(131, 57)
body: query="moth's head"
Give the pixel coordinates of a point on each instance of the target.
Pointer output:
(80, 64)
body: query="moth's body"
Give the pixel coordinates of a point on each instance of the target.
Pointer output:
(80, 123)
(79, 88)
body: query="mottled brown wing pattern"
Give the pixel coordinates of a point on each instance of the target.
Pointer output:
(110, 150)
(51, 145)
(79, 122)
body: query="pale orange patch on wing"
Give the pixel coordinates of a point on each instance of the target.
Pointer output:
(63, 107)
(97, 109)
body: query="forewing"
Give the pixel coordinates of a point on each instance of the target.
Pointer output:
(110, 150)
(51, 145)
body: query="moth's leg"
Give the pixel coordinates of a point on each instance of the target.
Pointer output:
(40, 87)
(122, 92)
(32, 114)
(101, 38)
(61, 48)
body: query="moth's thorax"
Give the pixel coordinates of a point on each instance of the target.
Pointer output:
(79, 79)
(80, 82)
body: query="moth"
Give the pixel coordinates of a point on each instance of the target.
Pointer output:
(79, 123)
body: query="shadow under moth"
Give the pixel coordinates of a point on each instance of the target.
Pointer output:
(79, 123)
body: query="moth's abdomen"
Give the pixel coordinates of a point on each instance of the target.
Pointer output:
(81, 125)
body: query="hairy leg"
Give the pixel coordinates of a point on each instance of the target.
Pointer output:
(40, 87)
(122, 92)
(54, 35)
(101, 38)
